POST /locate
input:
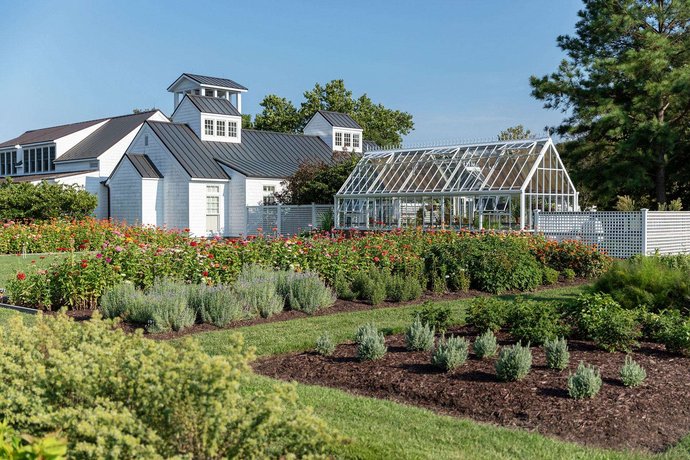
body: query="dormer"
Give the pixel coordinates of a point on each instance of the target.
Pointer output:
(211, 118)
(200, 85)
(338, 130)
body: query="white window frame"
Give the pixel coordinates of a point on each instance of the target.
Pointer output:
(213, 195)
(209, 123)
(220, 128)
(269, 194)
(347, 140)
(355, 140)
(232, 129)
(338, 139)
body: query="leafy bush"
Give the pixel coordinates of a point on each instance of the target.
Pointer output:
(557, 354)
(603, 320)
(107, 391)
(488, 313)
(401, 288)
(371, 344)
(534, 322)
(364, 331)
(583, 259)
(585, 383)
(549, 276)
(325, 345)
(419, 336)
(169, 307)
(16, 447)
(632, 374)
(439, 317)
(309, 294)
(119, 300)
(514, 363)
(370, 285)
(568, 274)
(342, 287)
(450, 353)
(24, 200)
(505, 264)
(217, 305)
(445, 265)
(485, 346)
(670, 328)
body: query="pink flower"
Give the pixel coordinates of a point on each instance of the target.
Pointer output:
(99, 256)
(108, 259)
(118, 248)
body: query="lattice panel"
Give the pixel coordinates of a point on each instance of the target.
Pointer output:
(668, 232)
(619, 234)
(287, 220)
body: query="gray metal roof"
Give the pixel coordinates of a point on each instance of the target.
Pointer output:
(368, 146)
(105, 137)
(144, 166)
(216, 105)
(211, 81)
(49, 134)
(339, 120)
(46, 176)
(260, 154)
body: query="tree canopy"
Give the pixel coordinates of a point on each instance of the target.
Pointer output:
(380, 124)
(624, 88)
(24, 200)
(514, 132)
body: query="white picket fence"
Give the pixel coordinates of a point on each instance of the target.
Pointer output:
(620, 234)
(285, 220)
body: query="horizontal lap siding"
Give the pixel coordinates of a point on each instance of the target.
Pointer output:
(125, 194)
(668, 232)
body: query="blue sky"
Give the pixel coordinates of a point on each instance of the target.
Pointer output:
(461, 68)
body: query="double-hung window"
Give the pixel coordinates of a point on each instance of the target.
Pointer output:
(232, 129)
(213, 209)
(338, 139)
(208, 127)
(355, 140)
(346, 142)
(220, 128)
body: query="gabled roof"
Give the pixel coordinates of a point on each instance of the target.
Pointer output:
(105, 137)
(339, 120)
(45, 176)
(216, 105)
(211, 81)
(49, 134)
(263, 154)
(144, 166)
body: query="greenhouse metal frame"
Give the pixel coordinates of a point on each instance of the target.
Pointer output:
(493, 185)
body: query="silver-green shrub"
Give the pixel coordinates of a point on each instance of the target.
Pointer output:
(116, 395)
(324, 345)
(419, 336)
(309, 294)
(450, 353)
(260, 297)
(217, 305)
(485, 346)
(119, 300)
(632, 374)
(371, 345)
(365, 330)
(557, 354)
(514, 363)
(169, 306)
(585, 382)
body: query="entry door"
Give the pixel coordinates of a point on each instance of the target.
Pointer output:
(213, 209)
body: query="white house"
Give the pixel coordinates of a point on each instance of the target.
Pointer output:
(200, 170)
(82, 153)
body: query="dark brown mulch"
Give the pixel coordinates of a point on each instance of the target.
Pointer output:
(651, 417)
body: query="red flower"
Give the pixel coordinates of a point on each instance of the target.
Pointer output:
(21, 276)
(205, 273)
(376, 259)
(193, 244)
(211, 256)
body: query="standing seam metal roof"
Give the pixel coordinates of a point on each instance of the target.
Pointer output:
(339, 120)
(214, 81)
(49, 134)
(260, 154)
(144, 166)
(215, 105)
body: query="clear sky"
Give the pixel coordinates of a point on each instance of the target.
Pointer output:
(461, 68)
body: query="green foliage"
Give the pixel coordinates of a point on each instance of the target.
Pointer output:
(371, 345)
(557, 354)
(670, 328)
(585, 383)
(419, 336)
(24, 200)
(485, 345)
(625, 203)
(632, 374)
(513, 363)
(602, 319)
(370, 285)
(534, 322)
(401, 288)
(450, 353)
(169, 307)
(504, 264)
(624, 85)
(568, 274)
(278, 114)
(119, 300)
(16, 447)
(342, 287)
(324, 345)
(309, 294)
(549, 276)
(260, 297)
(673, 205)
(488, 313)
(517, 132)
(217, 305)
(438, 317)
(110, 392)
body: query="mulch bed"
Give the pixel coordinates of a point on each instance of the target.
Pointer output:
(651, 417)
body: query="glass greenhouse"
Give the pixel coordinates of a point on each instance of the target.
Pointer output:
(494, 185)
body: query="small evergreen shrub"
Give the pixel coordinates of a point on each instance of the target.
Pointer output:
(365, 330)
(450, 353)
(568, 274)
(534, 322)
(488, 313)
(632, 374)
(585, 383)
(485, 346)
(401, 288)
(514, 363)
(169, 306)
(217, 305)
(419, 336)
(119, 300)
(438, 317)
(260, 297)
(549, 276)
(603, 320)
(342, 287)
(370, 285)
(557, 354)
(372, 345)
(309, 294)
(325, 345)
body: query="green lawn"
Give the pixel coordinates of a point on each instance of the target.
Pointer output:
(11, 264)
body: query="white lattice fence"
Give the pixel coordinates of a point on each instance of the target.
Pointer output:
(619, 234)
(285, 220)
(668, 232)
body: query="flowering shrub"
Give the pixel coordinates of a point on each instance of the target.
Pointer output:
(141, 255)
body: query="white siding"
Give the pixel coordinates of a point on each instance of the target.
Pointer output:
(151, 201)
(255, 189)
(187, 113)
(175, 182)
(236, 213)
(126, 194)
(318, 126)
